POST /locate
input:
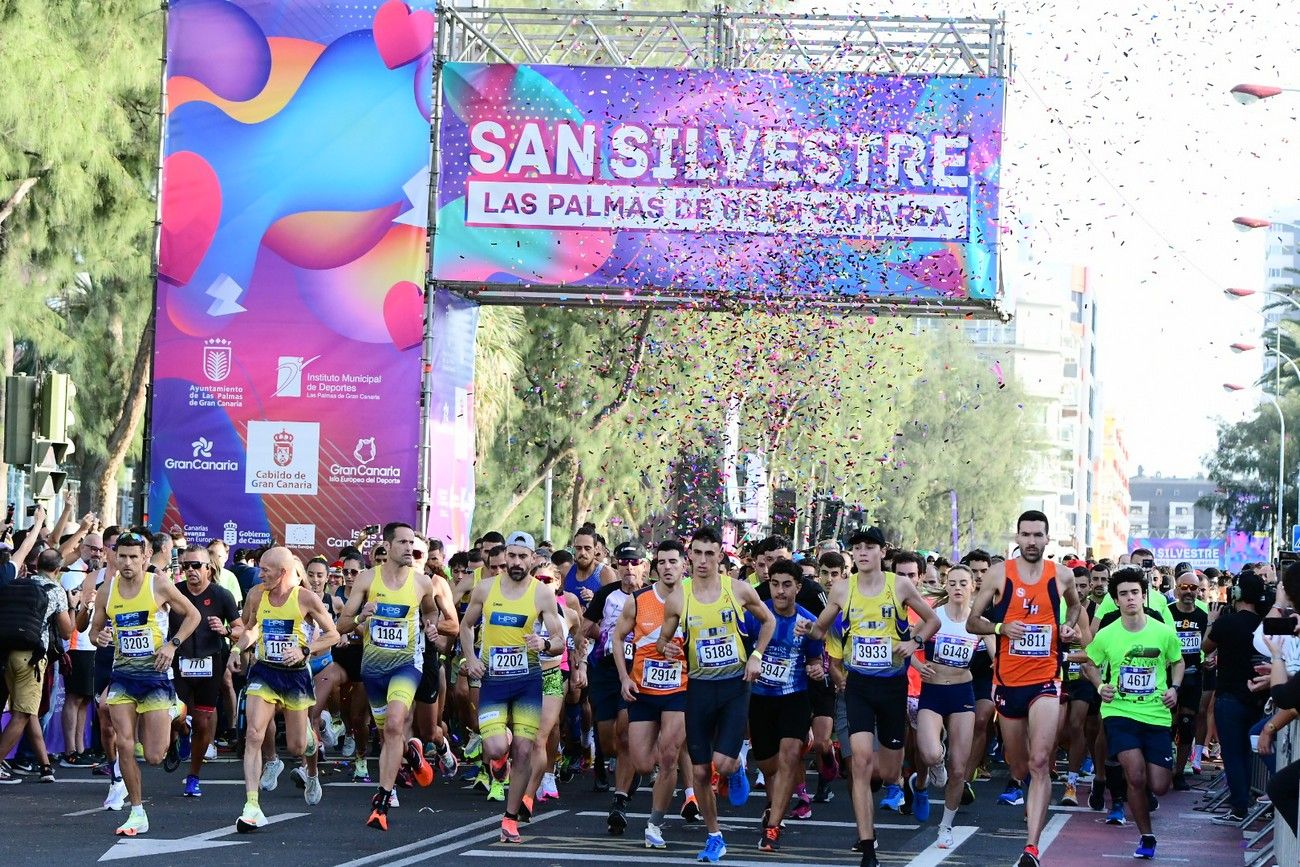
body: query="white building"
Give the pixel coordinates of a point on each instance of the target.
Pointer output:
(1281, 268)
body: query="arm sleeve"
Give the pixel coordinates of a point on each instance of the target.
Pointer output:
(596, 608)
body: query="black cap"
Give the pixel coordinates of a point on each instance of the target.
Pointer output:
(1182, 568)
(633, 550)
(876, 536)
(1250, 588)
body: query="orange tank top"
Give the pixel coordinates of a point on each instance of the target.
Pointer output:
(652, 673)
(1034, 658)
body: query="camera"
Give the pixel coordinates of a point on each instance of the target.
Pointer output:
(1148, 564)
(370, 529)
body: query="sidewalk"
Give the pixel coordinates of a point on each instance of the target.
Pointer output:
(1184, 835)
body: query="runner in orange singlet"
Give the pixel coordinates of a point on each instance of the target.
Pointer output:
(1025, 594)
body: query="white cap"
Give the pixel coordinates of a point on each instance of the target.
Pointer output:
(522, 539)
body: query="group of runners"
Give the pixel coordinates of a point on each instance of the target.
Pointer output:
(873, 664)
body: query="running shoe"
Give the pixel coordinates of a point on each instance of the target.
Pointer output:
(945, 838)
(392, 799)
(548, 789)
(271, 774)
(526, 809)
(510, 831)
(251, 819)
(136, 824)
(405, 779)
(100, 770)
(1029, 857)
(713, 850)
(211, 754)
(72, 760)
(116, 798)
(939, 774)
(1196, 766)
(1012, 796)
(418, 764)
(869, 859)
(617, 819)
(1096, 796)
(349, 746)
(482, 782)
(1146, 848)
(1116, 816)
(893, 799)
(361, 772)
(47, 773)
(447, 764)
(469, 771)
(1085, 770)
(920, 803)
(328, 732)
(1070, 797)
(312, 792)
(981, 775)
(863, 846)
(497, 791)
(824, 793)
(967, 794)
(760, 783)
(171, 759)
(802, 810)
(654, 837)
(474, 748)
(378, 818)
(312, 745)
(298, 776)
(192, 789)
(1180, 783)
(691, 811)
(1229, 818)
(738, 787)
(1153, 803)
(6, 777)
(771, 839)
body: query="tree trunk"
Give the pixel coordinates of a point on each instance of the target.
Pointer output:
(123, 433)
(7, 363)
(11, 204)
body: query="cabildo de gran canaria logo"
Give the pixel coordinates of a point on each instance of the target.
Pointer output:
(363, 471)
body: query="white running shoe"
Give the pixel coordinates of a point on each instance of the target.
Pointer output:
(548, 783)
(116, 796)
(312, 794)
(211, 754)
(271, 774)
(349, 746)
(938, 776)
(945, 838)
(328, 733)
(250, 820)
(654, 837)
(136, 823)
(392, 801)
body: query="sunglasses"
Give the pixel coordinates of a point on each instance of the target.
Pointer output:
(192, 564)
(418, 555)
(351, 573)
(635, 561)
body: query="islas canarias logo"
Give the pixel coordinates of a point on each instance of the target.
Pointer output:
(282, 453)
(364, 470)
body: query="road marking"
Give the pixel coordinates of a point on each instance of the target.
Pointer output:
(563, 857)
(932, 855)
(1048, 837)
(1162, 858)
(790, 823)
(438, 838)
(1055, 809)
(143, 847)
(99, 809)
(104, 780)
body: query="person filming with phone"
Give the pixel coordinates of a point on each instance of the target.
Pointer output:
(1280, 631)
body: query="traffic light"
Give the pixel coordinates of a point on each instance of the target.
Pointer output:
(20, 400)
(51, 446)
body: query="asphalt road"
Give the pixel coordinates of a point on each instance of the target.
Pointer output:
(62, 824)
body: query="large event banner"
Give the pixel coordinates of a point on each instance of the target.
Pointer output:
(1201, 553)
(754, 183)
(290, 311)
(450, 468)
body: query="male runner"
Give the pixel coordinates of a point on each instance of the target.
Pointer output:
(430, 696)
(276, 614)
(709, 610)
(981, 670)
(507, 664)
(654, 684)
(200, 662)
(140, 688)
(390, 601)
(1127, 662)
(1191, 623)
(1081, 701)
(780, 709)
(588, 574)
(874, 642)
(1025, 592)
(607, 710)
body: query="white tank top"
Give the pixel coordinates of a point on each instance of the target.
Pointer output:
(952, 645)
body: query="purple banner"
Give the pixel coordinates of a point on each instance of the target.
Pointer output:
(1201, 553)
(777, 184)
(451, 420)
(290, 313)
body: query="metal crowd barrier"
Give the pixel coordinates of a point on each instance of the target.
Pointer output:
(1277, 844)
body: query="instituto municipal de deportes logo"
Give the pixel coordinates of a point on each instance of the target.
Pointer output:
(216, 359)
(283, 451)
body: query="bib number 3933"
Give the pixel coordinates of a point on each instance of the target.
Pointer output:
(1037, 641)
(872, 651)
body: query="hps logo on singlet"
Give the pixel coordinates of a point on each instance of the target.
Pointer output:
(505, 618)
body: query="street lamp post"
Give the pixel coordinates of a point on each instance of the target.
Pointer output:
(1291, 363)
(1281, 461)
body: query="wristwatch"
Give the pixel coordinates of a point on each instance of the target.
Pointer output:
(176, 641)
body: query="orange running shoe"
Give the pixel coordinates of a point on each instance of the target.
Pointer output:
(418, 764)
(510, 831)
(378, 812)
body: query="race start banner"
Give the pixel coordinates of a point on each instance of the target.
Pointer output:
(1201, 553)
(748, 183)
(286, 392)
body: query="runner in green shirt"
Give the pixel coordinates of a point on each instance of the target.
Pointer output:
(1127, 662)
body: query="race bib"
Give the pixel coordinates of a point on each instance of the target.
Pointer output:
(1075, 669)
(717, 652)
(661, 674)
(954, 651)
(135, 643)
(389, 634)
(629, 650)
(1137, 681)
(1190, 641)
(277, 640)
(777, 672)
(191, 667)
(507, 661)
(872, 651)
(1037, 641)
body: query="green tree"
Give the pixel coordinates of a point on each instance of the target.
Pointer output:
(78, 153)
(1243, 468)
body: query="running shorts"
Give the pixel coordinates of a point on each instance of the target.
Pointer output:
(606, 691)
(717, 713)
(514, 703)
(430, 680)
(320, 663)
(349, 659)
(80, 678)
(983, 687)
(878, 706)
(199, 693)
(822, 697)
(946, 699)
(290, 688)
(148, 693)
(650, 707)
(782, 717)
(395, 685)
(1155, 743)
(553, 683)
(1083, 690)
(1013, 702)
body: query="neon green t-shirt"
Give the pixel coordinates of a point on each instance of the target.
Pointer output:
(1137, 665)
(1155, 601)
